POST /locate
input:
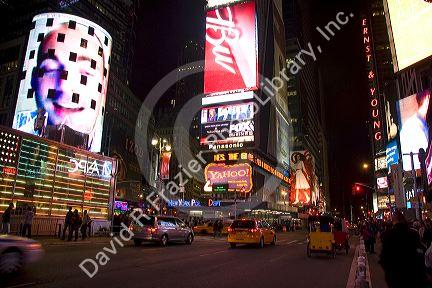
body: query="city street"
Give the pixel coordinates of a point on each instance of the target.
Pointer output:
(207, 263)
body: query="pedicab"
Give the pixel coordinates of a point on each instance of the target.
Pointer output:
(321, 238)
(341, 236)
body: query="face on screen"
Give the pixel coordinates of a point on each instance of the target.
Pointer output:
(69, 78)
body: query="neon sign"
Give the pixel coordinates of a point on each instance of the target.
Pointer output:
(92, 168)
(373, 90)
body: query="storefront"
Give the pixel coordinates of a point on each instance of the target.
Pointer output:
(48, 177)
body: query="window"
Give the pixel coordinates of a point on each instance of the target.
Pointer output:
(72, 24)
(75, 98)
(105, 72)
(100, 88)
(64, 74)
(93, 64)
(30, 93)
(49, 22)
(51, 53)
(93, 104)
(83, 43)
(83, 80)
(40, 37)
(72, 57)
(106, 41)
(60, 37)
(91, 31)
(32, 54)
(51, 93)
(100, 52)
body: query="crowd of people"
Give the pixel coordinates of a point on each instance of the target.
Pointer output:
(27, 220)
(75, 222)
(406, 251)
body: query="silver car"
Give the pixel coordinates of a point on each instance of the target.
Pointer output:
(161, 229)
(17, 251)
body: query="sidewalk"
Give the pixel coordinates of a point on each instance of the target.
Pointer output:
(376, 272)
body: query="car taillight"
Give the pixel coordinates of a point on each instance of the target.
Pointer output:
(131, 228)
(253, 230)
(230, 229)
(153, 230)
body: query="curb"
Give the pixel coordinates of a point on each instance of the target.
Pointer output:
(359, 276)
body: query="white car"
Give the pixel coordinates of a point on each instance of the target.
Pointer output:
(17, 251)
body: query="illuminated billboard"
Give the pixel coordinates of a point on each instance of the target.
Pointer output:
(408, 19)
(231, 58)
(238, 177)
(50, 177)
(228, 124)
(382, 182)
(415, 125)
(64, 78)
(304, 181)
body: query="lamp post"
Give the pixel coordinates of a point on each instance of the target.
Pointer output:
(160, 145)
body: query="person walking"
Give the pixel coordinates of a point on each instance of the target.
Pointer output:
(402, 255)
(28, 221)
(215, 228)
(6, 219)
(75, 225)
(67, 222)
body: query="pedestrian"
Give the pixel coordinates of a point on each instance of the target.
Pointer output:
(215, 228)
(220, 228)
(28, 221)
(402, 255)
(427, 234)
(76, 222)
(86, 222)
(6, 219)
(67, 222)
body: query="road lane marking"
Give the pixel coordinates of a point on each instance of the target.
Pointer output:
(213, 253)
(291, 242)
(22, 285)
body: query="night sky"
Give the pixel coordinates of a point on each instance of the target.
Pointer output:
(164, 27)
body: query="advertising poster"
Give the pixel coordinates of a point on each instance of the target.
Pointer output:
(408, 19)
(229, 124)
(64, 78)
(231, 61)
(238, 176)
(165, 165)
(415, 122)
(303, 178)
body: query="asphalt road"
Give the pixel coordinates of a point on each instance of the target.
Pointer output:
(206, 263)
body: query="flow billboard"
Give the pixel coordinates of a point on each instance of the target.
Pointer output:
(64, 78)
(415, 123)
(408, 19)
(231, 57)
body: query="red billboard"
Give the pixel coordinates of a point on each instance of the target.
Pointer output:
(238, 177)
(231, 61)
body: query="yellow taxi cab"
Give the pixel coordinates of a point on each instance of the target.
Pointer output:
(206, 228)
(251, 231)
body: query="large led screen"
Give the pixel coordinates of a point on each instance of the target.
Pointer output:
(409, 19)
(64, 78)
(231, 61)
(227, 124)
(415, 118)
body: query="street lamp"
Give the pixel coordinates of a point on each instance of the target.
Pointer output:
(365, 166)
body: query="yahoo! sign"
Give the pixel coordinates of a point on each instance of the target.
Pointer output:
(238, 176)
(373, 87)
(231, 61)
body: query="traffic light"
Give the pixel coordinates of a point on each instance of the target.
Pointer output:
(356, 189)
